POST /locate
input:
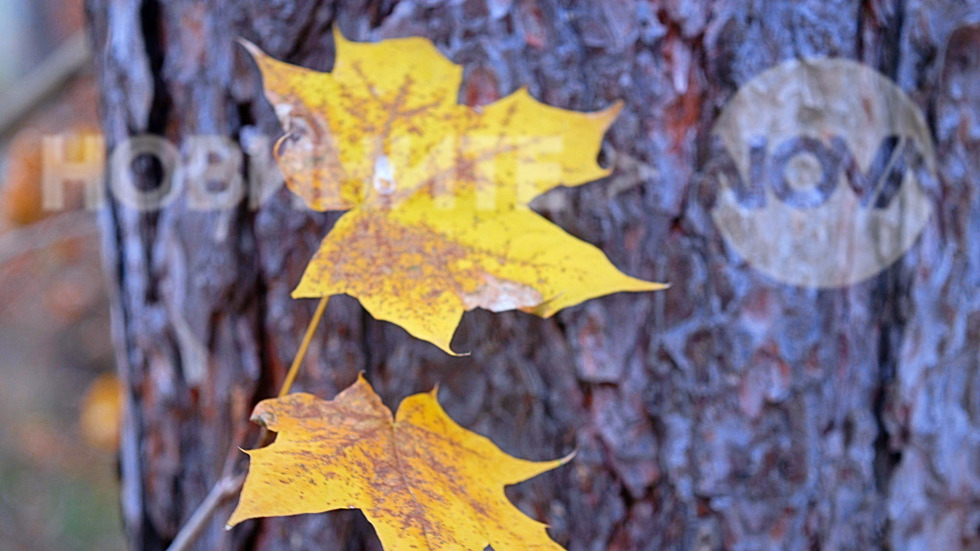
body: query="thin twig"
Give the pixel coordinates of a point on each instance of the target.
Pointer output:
(224, 490)
(34, 89)
(229, 485)
(45, 233)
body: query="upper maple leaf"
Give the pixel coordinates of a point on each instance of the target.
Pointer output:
(423, 481)
(437, 191)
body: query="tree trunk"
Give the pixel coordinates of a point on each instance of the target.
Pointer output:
(731, 411)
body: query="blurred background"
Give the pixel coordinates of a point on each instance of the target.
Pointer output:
(58, 398)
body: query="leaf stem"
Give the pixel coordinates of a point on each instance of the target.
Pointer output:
(303, 347)
(230, 485)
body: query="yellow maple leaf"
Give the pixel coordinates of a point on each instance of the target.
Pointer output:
(423, 481)
(437, 191)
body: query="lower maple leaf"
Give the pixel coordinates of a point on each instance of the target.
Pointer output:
(423, 481)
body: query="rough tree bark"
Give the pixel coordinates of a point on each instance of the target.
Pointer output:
(730, 412)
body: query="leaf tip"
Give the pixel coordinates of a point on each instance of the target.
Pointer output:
(606, 117)
(234, 520)
(251, 48)
(446, 347)
(568, 458)
(454, 354)
(615, 109)
(645, 285)
(362, 380)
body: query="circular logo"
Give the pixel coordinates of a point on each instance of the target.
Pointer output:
(821, 166)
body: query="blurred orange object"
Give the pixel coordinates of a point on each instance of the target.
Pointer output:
(101, 415)
(21, 195)
(21, 192)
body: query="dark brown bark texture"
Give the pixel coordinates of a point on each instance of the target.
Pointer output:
(729, 412)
